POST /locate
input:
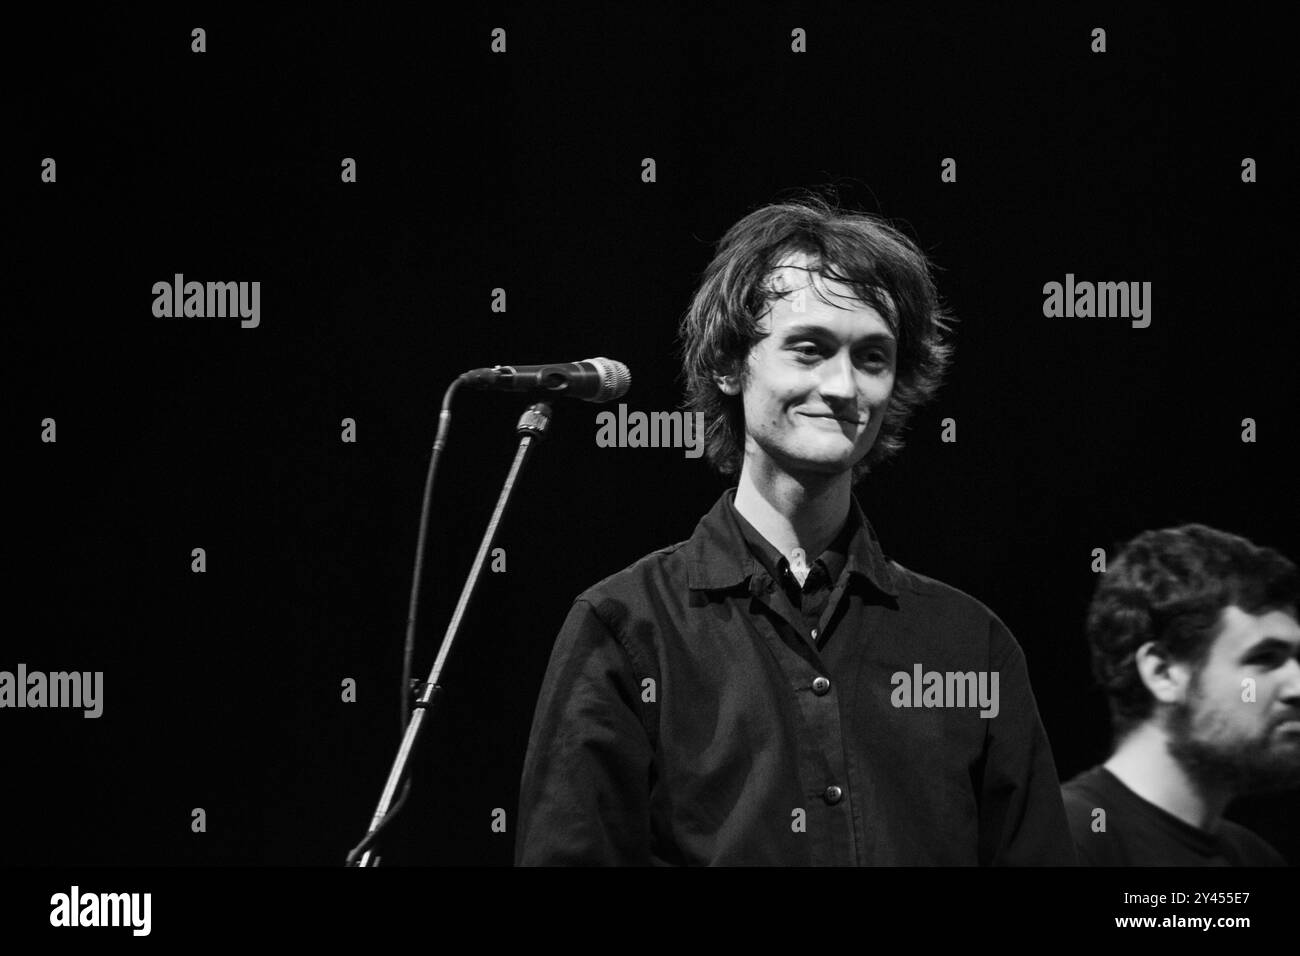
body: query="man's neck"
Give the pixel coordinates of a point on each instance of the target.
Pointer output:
(1142, 762)
(794, 512)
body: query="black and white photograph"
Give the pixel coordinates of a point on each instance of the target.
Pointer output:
(753, 435)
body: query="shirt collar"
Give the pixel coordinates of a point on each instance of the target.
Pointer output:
(718, 556)
(833, 559)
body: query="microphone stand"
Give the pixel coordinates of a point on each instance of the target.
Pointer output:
(532, 427)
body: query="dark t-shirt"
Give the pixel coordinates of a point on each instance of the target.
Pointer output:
(1139, 833)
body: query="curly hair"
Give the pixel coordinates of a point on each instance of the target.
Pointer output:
(885, 269)
(1171, 586)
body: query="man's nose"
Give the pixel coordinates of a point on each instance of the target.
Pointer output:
(839, 382)
(1289, 683)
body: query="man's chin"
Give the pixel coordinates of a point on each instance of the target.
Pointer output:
(1254, 768)
(817, 463)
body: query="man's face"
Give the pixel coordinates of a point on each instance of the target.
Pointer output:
(820, 382)
(1251, 745)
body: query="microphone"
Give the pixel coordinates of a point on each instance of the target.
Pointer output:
(592, 380)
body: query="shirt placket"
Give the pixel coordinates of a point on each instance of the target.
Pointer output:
(820, 740)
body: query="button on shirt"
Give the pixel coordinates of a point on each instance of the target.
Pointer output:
(702, 707)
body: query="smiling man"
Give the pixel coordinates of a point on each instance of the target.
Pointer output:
(1195, 640)
(729, 700)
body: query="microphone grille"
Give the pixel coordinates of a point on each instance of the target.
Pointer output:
(615, 379)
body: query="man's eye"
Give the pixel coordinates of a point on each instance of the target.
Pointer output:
(807, 349)
(1267, 660)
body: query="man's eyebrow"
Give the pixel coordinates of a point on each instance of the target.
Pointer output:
(815, 331)
(1272, 644)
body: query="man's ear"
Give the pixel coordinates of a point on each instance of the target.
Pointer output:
(728, 384)
(1166, 678)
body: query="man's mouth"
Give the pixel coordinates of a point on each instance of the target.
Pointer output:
(846, 421)
(1289, 728)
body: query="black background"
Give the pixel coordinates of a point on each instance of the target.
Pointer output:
(523, 171)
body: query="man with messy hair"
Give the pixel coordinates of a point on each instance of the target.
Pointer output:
(1195, 640)
(738, 698)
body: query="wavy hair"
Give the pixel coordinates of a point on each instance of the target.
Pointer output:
(886, 271)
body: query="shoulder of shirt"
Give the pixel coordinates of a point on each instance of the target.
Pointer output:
(931, 589)
(1082, 795)
(1082, 791)
(631, 576)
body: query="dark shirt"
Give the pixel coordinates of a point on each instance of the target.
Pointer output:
(809, 600)
(688, 716)
(1139, 833)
